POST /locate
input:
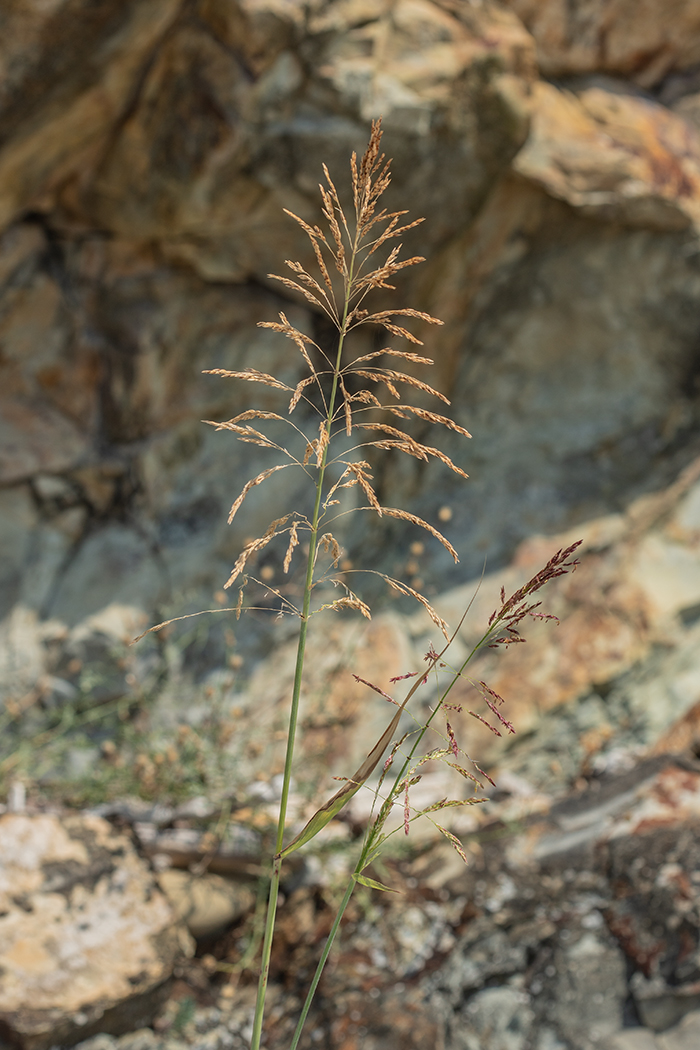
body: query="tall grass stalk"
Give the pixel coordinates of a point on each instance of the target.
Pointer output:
(360, 398)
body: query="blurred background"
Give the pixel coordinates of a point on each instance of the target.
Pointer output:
(147, 149)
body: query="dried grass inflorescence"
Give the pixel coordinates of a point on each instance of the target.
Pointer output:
(361, 395)
(349, 394)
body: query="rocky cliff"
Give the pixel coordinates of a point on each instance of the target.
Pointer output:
(147, 149)
(146, 152)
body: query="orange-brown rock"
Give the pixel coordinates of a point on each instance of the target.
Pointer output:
(68, 73)
(614, 155)
(204, 162)
(641, 41)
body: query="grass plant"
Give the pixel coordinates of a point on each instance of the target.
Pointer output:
(365, 405)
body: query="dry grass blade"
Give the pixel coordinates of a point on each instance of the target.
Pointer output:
(385, 315)
(363, 480)
(339, 483)
(405, 354)
(326, 277)
(355, 186)
(403, 588)
(249, 434)
(315, 233)
(403, 333)
(351, 601)
(336, 201)
(346, 406)
(377, 377)
(297, 287)
(312, 283)
(250, 413)
(447, 803)
(402, 377)
(253, 547)
(330, 545)
(376, 688)
(322, 441)
(366, 398)
(392, 230)
(339, 254)
(251, 484)
(293, 541)
(298, 391)
(484, 722)
(379, 278)
(387, 445)
(454, 841)
(405, 443)
(466, 774)
(394, 512)
(295, 335)
(430, 417)
(394, 432)
(176, 619)
(251, 374)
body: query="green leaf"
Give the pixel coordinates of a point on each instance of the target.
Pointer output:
(334, 805)
(373, 884)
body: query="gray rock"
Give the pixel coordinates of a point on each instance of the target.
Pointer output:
(114, 566)
(590, 990)
(685, 1035)
(633, 1039)
(496, 1019)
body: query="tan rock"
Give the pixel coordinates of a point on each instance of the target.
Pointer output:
(342, 718)
(601, 633)
(203, 163)
(84, 931)
(682, 736)
(260, 29)
(59, 112)
(688, 108)
(642, 41)
(615, 156)
(206, 903)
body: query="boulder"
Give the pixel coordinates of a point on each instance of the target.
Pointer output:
(87, 939)
(206, 903)
(615, 155)
(642, 42)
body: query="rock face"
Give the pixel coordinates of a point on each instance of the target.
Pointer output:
(642, 43)
(574, 925)
(86, 938)
(147, 148)
(145, 156)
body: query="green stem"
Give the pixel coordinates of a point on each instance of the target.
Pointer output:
(324, 958)
(369, 845)
(424, 728)
(296, 689)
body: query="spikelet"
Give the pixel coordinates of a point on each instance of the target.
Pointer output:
(394, 512)
(293, 541)
(250, 374)
(263, 476)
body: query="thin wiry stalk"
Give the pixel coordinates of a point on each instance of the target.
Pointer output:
(512, 610)
(296, 692)
(344, 256)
